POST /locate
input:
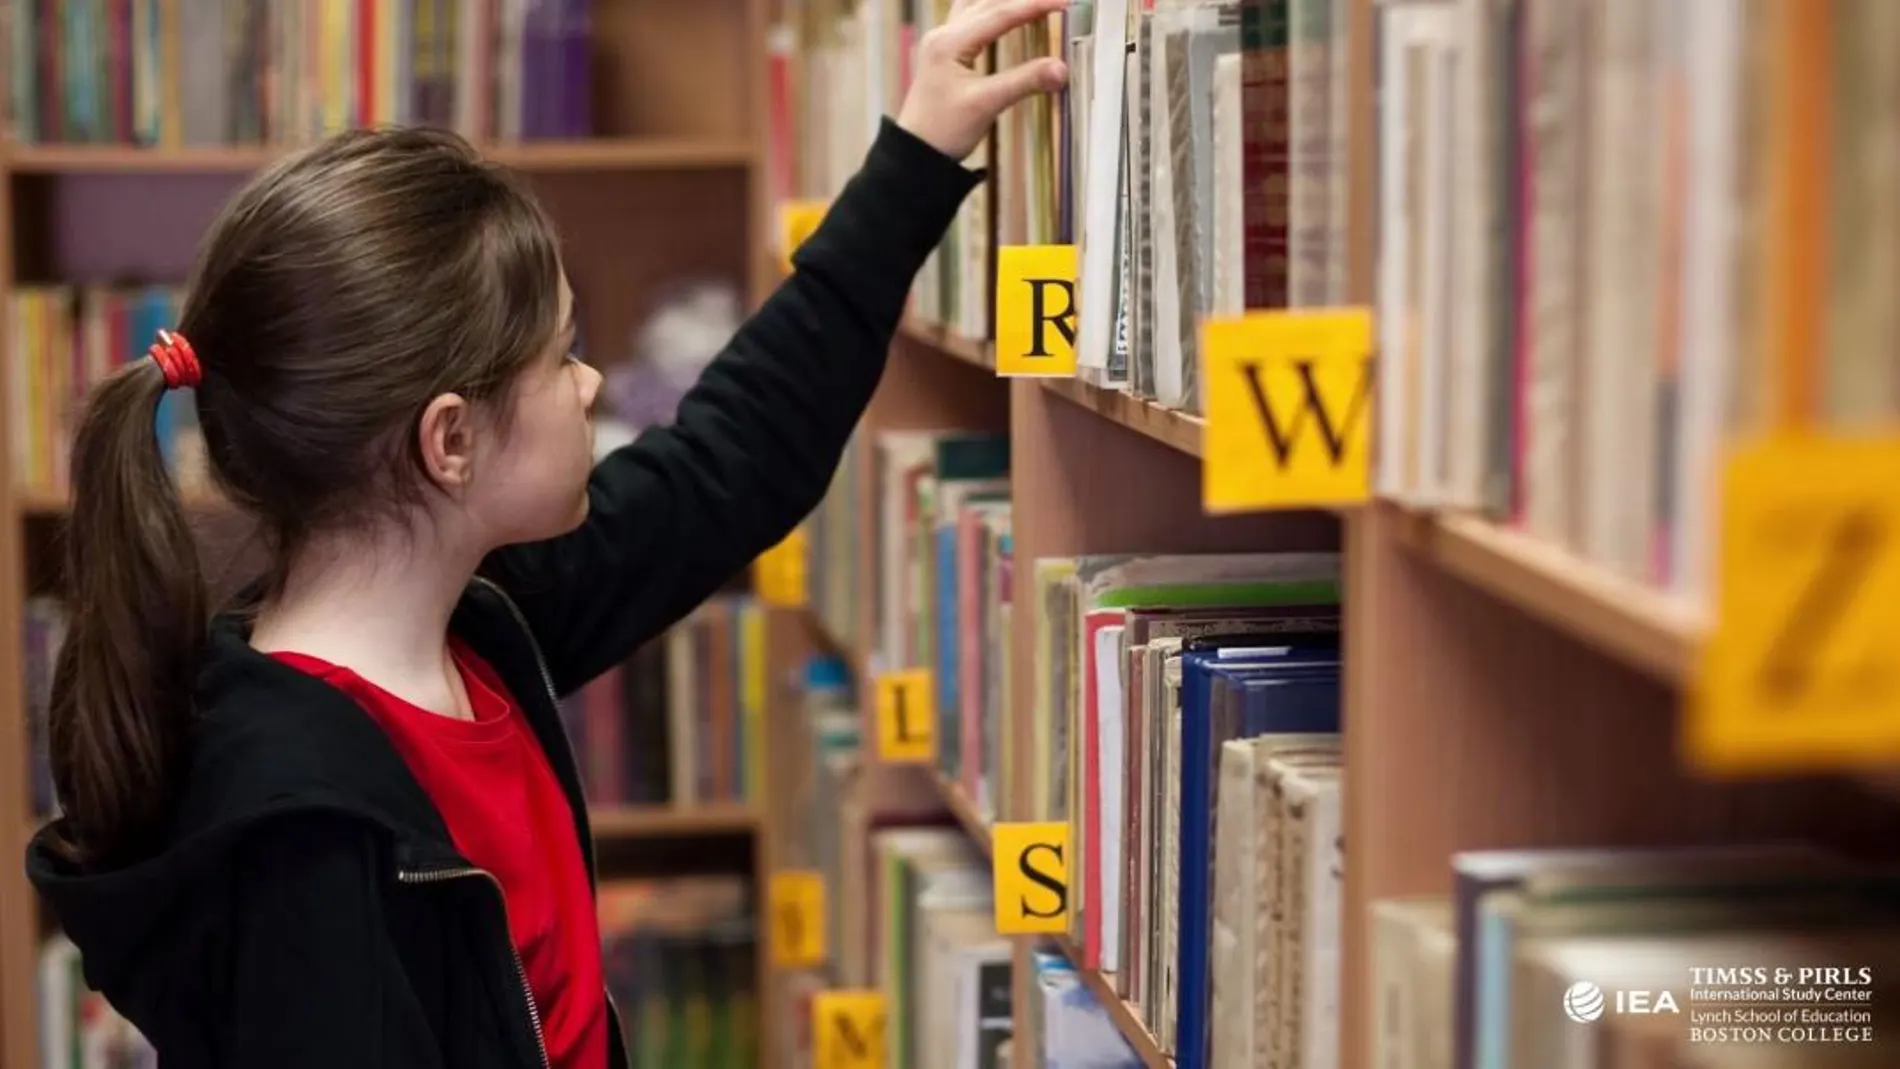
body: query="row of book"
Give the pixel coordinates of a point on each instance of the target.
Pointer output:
(838, 70)
(939, 593)
(682, 721)
(1185, 724)
(1187, 728)
(217, 72)
(1189, 733)
(909, 914)
(1196, 161)
(1581, 284)
(1586, 212)
(63, 340)
(681, 960)
(1771, 955)
(679, 954)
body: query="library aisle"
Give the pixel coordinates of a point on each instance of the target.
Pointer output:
(1368, 552)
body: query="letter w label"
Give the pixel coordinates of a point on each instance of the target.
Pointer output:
(1289, 410)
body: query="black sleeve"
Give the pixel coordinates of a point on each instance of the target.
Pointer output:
(315, 983)
(680, 511)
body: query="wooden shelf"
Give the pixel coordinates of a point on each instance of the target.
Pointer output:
(1624, 619)
(665, 821)
(543, 156)
(981, 354)
(1118, 1011)
(963, 809)
(40, 503)
(1176, 430)
(53, 503)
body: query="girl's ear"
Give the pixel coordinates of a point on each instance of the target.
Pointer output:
(446, 437)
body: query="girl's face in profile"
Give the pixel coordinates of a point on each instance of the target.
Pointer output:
(532, 482)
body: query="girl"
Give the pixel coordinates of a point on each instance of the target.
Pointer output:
(339, 825)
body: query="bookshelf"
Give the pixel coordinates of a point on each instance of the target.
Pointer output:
(1504, 687)
(616, 154)
(666, 183)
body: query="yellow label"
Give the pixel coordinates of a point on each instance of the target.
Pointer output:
(1035, 310)
(906, 716)
(1030, 869)
(1289, 410)
(1801, 670)
(798, 918)
(779, 574)
(847, 1030)
(797, 220)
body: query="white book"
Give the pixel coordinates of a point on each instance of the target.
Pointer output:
(1715, 42)
(1170, 381)
(1100, 193)
(1407, 29)
(1235, 921)
(1437, 314)
(1325, 868)
(1476, 285)
(1230, 242)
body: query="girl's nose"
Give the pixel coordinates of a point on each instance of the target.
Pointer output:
(590, 384)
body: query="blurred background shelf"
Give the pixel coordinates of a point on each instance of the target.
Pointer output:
(1629, 621)
(593, 154)
(662, 822)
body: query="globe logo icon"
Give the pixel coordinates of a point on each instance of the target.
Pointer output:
(1583, 1002)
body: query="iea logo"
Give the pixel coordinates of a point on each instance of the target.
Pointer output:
(1583, 1002)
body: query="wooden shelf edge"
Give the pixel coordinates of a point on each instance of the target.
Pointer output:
(963, 809)
(956, 347)
(29, 503)
(670, 821)
(1176, 430)
(584, 154)
(1638, 626)
(1119, 1011)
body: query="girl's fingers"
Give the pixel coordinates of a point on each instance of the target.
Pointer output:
(983, 21)
(998, 91)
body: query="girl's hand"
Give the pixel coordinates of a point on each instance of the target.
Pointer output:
(950, 106)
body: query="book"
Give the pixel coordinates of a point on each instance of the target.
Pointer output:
(269, 73)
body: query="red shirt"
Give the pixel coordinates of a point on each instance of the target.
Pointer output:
(507, 814)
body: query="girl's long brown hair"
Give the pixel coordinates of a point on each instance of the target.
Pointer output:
(336, 294)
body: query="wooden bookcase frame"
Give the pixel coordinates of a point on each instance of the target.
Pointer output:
(681, 88)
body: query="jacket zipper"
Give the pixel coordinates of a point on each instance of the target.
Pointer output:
(554, 702)
(521, 973)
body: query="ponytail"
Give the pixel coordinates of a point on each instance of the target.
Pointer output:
(121, 708)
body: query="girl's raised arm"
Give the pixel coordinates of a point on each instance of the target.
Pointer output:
(677, 513)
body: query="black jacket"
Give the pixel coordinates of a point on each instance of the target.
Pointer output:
(307, 907)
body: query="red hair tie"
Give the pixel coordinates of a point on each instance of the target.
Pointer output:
(175, 357)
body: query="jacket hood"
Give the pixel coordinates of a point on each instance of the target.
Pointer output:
(271, 744)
